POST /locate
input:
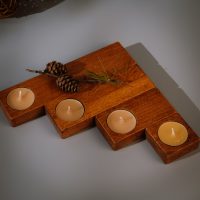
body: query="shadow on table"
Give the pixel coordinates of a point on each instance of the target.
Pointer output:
(167, 85)
(175, 95)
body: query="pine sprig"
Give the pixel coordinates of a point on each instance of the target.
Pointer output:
(41, 72)
(68, 83)
(101, 78)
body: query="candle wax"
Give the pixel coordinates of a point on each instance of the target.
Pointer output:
(121, 121)
(70, 110)
(172, 133)
(20, 98)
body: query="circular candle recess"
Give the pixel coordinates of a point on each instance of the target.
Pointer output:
(20, 98)
(70, 110)
(121, 121)
(172, 133)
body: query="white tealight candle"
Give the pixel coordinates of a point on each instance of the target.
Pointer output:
(20, 98)
(172, 133)
(70, 110)
(121, 121)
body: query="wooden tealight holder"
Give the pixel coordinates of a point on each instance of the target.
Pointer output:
(44, 89)
(147, 108)
(170, 153)
(100, 97)
(135, 92)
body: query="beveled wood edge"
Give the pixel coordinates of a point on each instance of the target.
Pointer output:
(18, 120)
(97, 50)
(51, 114)
(22, 115)
(176, 155)
(137, 137)
(73, 128)
(140, 135)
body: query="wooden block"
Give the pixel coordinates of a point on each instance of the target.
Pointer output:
(112, 59)
(97, 98)
(44, 89)
(166, 152)
(147, 107)
(135, 93)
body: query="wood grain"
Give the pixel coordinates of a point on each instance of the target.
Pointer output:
(97, 98)
(115, 60)
(135, 92)
(44, 89)
(166, 152)
(147, 107)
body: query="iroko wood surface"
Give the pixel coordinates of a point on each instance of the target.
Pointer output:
(44, 89)
(166, 152)
(147, 108)
(97, 98)
(113, 59)
(135, 92)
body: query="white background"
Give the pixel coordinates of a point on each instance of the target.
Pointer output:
(163, 36)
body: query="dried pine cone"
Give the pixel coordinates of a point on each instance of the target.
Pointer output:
(67, 84)
(56, 68)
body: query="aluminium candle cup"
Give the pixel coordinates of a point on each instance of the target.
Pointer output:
(20, 98)
(172, 133)
(70, 110)
(121, 121)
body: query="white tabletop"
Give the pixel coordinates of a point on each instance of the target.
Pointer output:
(163, 37)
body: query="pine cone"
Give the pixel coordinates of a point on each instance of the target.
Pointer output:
(56, 68)
(67, 84)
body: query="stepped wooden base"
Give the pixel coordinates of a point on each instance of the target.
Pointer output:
(135, 92)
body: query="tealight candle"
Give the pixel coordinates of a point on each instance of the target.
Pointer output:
(20, 98)
(70, 110)
(121, 121)
(172, 133)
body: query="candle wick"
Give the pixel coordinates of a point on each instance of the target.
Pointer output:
(68, 108)
(19, 96)
(121, 119)
(173, 132)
